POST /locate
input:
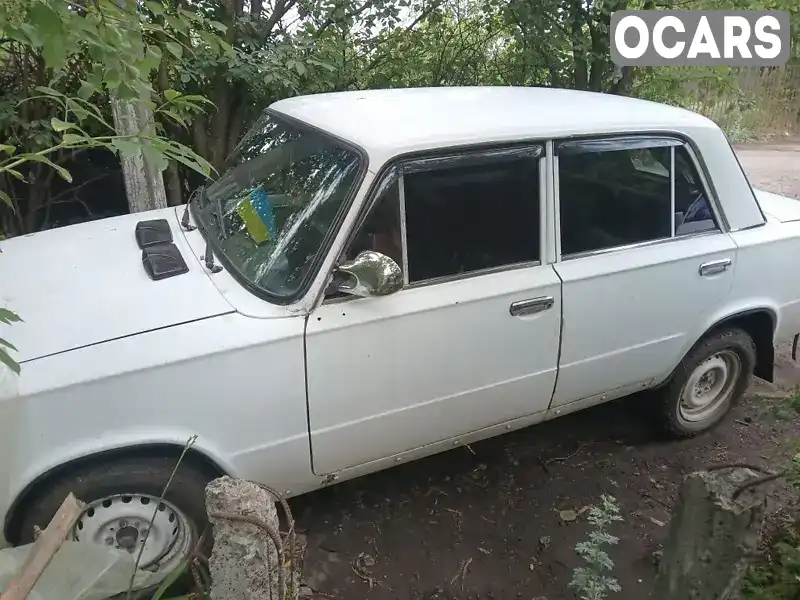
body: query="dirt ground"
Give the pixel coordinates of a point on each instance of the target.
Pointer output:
(407, 533)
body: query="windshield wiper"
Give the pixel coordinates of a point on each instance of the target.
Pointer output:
(198, 192)
(220, 216)
(208, 257)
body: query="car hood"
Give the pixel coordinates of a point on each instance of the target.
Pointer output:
(85, 284)
(781, 208)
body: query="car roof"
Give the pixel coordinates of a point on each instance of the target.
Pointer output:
(389, 122)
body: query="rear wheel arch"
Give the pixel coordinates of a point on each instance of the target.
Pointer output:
(760, 324)
(198, 459)
(689, 404)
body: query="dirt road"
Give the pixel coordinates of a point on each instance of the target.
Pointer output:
(407, 533)
(773, 167)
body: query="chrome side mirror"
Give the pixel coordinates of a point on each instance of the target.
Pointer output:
(370, 274)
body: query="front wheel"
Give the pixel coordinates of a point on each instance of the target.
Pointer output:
(707, 384)
(121, 498)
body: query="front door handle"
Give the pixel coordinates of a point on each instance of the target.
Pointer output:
(714, 267)
(528, 307)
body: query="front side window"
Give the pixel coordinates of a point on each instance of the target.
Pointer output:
(464, 219)
(618, 192)
(443, 218)
(274, 206)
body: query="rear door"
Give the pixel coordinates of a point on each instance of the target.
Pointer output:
(643, 259)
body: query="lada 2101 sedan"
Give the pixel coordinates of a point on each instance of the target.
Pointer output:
(378, 276)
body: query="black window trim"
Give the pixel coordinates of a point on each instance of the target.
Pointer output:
(671, 139)
(453, 156)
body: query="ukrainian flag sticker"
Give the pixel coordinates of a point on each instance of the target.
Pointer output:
(258, 217)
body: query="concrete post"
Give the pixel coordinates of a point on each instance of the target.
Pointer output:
(250, 559)
(715, 530)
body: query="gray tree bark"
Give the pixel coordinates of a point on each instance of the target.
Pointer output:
(713, 535)
(144, 185)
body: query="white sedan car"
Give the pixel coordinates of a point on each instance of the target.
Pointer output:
(379, 276)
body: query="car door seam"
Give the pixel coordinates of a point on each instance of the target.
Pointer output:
(308, 404)
(560, 336)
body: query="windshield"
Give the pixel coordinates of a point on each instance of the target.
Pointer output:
(270, 211)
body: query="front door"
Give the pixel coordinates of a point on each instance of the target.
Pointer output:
(472, 339)
(643, 260)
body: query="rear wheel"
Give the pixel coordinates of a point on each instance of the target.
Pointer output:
(121, 498)
(707, 384)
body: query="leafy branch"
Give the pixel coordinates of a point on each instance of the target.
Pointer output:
(74, 135)
(7, 317)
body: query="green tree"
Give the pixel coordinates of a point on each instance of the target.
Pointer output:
(61, 62)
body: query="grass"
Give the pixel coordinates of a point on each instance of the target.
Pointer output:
(777, 575)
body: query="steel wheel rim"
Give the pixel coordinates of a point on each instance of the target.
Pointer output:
(710, 385)
(122, 521)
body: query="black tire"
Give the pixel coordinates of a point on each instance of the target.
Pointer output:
(668, 397)
(132, 475)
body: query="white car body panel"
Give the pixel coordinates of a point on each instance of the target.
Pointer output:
(205, 378)
(780, 208)
(465, 378)
(55, 275)
(112, 359)
(630, 315)
(765, 273)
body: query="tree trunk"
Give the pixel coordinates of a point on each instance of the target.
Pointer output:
(580, 77)
(172, 182)
(144, 185)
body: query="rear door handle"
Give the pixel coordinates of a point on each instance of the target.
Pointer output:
(714, 267)
(529, 307)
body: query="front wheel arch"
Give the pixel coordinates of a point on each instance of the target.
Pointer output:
(13, 521)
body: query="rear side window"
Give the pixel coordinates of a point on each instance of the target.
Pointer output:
(618, 192)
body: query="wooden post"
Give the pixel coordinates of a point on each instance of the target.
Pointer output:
(714, 531)
(44, 549)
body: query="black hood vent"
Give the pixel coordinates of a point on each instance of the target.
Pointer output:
(152, 232)
(161, 261)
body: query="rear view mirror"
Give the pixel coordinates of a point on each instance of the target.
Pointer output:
(370, 274)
